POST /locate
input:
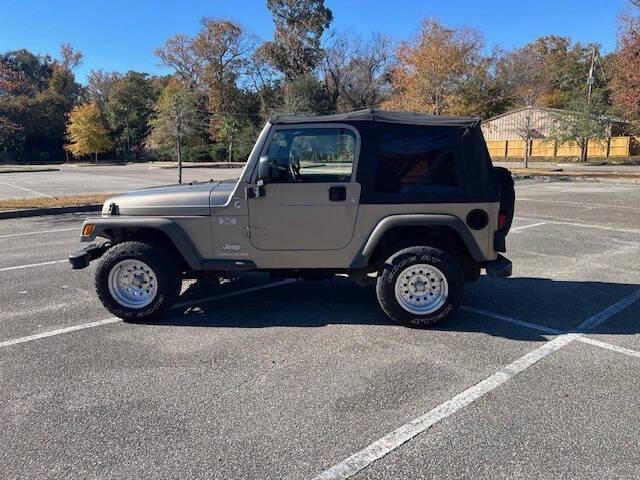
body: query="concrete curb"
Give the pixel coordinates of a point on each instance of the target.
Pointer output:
(568, 178)
(36, 212)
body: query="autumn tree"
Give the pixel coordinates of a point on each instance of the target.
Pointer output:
(212, 62)
(625, 82)
(431, 67)
(299, 24)
(86, 133)
(177, 120)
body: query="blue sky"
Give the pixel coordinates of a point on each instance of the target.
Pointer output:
(121, 35)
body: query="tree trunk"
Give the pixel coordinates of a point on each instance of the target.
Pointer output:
(584, 151)
(230, 147)
(179, 161)
(527, 151)
(96, 154)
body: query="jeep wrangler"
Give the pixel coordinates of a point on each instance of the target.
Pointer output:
(408, 201)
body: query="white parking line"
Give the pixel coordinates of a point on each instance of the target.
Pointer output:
(40, 232)
(514, 321)
(60, 331)
(232, 294)
(385, 445)
(614, 309)
(579, 204)
(517, 229)
(378, 449)
(108, 321)
(31, 265)
(582, 225)
(27, 190)
(609, 346)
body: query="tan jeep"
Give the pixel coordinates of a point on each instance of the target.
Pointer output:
(411, 202)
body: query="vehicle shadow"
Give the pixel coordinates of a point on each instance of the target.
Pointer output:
(561, 305)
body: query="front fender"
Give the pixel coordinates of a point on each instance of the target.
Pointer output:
(172, 230)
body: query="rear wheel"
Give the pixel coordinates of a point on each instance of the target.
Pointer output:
(137, 281)
(420, 286)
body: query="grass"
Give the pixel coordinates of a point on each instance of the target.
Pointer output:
(71, 201)
(27, 169)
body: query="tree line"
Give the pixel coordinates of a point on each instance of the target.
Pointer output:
(225, 82)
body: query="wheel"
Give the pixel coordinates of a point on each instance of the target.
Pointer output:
(137, 281)
(420, 286)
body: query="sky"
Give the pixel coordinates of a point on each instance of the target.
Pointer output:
(122, 34)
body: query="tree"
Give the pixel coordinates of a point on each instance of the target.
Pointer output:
(223, 48)
(296, 49)
(356, 71)
(176, 121)
(37, 94)
(586, 120)
(625, 82)
(86, 133)
(70, 57)
(431, 67)
(128, 109)
(179, 54)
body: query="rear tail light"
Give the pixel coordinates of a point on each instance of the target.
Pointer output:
(502, 220)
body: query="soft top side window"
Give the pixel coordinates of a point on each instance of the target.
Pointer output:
(413, 159)
(312, 155)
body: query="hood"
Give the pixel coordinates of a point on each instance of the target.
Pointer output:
(171, 200)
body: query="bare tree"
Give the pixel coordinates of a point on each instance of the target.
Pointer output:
(71, 58)
(179, 55)
(355, 71)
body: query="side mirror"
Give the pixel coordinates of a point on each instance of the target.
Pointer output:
(264, 168)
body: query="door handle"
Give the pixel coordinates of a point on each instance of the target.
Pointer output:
(337, 194)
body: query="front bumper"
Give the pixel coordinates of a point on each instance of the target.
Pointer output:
(81, 258)
(500, 267)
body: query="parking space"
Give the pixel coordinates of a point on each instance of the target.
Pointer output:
(85, 180)
(294, 380)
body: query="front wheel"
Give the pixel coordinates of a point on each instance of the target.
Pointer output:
(137, 281)
(420, 286)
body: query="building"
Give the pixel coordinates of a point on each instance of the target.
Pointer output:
(505, 135)
(513, 124)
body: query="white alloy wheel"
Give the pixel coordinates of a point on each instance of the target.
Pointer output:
(132, 283)
(421, 289)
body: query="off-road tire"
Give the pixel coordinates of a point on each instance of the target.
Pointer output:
(166, 273)
(405, 258)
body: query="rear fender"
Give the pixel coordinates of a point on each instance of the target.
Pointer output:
(388, 223)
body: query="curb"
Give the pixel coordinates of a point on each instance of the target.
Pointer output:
(568, 178)
(36, 212)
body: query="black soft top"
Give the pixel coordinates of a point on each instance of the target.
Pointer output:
(375, 115)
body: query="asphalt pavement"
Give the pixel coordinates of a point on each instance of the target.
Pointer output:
(298, 380)
(86, 179)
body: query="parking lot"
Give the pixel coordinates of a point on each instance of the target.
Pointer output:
(535, 377)
(83, 180)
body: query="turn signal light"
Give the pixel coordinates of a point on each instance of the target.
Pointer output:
(502, 220)
(88, 229)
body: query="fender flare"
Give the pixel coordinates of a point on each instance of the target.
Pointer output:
(393, 221)
(172, 230)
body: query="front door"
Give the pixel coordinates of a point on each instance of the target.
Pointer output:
(310, 201)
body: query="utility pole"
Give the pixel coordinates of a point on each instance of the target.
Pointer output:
(590, 82)
(591, 79)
